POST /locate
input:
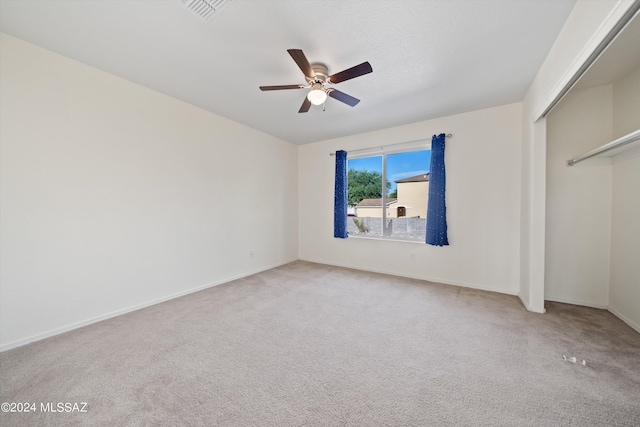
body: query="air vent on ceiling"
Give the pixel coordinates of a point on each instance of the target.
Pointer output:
(205, 9)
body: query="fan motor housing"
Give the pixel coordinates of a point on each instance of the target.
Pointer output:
(322, 73)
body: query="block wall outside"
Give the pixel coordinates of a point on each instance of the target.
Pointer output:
(396, 227)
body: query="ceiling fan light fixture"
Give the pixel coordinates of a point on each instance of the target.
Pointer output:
(317, 95)
(317, 76)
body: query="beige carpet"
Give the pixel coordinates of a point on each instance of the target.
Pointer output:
(312, 345)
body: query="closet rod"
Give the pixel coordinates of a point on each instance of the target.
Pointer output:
(627, 139)
(381, 148)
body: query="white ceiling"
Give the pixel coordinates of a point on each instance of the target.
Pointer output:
(430, 58)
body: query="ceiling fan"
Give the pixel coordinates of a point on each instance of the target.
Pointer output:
(318, 78)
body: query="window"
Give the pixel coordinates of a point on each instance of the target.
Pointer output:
(387, 194)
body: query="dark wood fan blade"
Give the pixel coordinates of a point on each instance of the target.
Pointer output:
(302, 62)
(353, 72)
(305, 106)
(281, 87)
(343, 97)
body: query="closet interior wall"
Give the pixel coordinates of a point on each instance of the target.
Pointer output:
(593, 208)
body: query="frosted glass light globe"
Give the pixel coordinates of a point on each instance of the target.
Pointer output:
(317, 95)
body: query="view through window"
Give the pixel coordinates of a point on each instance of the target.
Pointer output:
(387, 195)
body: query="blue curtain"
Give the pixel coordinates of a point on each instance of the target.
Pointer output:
(436, 208)
(340, 198)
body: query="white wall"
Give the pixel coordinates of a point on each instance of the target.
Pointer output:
(532, 209)
(578, 204)
(587, 25)
(624, 286)
(626, 104)
(115, 196)
(483, 204)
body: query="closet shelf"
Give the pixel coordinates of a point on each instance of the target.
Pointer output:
(613, 148)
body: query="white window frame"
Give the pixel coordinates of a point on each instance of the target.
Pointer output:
(383, 151)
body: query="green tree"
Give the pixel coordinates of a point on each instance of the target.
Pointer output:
(364, 184)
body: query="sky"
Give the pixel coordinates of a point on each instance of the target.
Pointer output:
(399, 166)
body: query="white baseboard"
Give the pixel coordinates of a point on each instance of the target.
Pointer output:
(411, 276)
(625, 319)
(574, 302)
(76, 325)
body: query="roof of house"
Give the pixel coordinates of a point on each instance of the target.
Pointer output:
(375, 203)
(418, 178)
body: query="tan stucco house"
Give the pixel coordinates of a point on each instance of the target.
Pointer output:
(413, 193)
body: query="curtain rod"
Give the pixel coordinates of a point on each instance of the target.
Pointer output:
(382, 147)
